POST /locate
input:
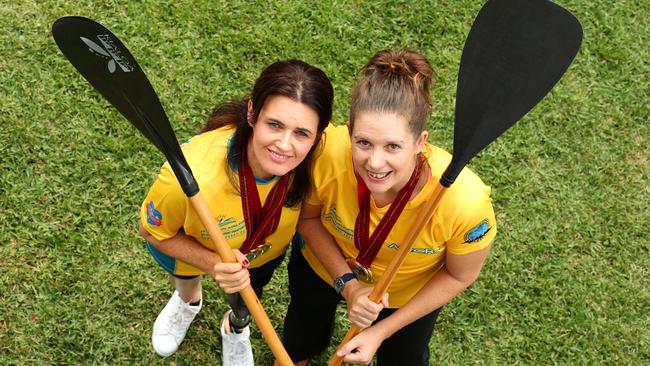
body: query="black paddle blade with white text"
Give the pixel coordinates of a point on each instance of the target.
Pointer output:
(109, 67)
(515, 53)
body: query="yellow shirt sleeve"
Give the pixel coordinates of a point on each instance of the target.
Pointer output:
(163, 210)
(474, 223)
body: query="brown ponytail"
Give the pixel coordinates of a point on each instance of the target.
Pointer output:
(395, 82)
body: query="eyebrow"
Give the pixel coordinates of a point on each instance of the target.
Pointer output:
(364, 137)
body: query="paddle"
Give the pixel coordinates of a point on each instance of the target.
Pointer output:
(515, 52)
(108, 66)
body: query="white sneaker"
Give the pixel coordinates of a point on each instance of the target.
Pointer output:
(236, 348)
(171, 325)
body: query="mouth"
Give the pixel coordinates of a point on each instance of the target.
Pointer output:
(377, 176)
(278, 157)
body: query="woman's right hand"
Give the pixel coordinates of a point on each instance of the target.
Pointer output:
(233, 277)
(362, 312)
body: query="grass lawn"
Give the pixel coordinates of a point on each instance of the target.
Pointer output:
(566, 283)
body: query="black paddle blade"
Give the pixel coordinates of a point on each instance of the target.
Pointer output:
(109, 67)
(515, 52)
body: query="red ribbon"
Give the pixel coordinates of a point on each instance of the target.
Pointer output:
(369, 247)
(260, 221)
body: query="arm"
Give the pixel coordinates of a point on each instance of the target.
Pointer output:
(232, 277)
(361, 311)
(459, 272)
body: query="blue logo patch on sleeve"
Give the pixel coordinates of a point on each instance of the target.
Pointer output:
(154, 217)
(478, 232)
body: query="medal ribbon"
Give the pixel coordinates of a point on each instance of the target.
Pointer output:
(369, 247)
(260, 221)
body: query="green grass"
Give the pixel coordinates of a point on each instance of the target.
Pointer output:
(566, 283)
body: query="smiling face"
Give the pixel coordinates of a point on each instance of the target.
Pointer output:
(384, 152)
(283, 134)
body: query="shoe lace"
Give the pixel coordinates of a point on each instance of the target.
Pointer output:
(240, 354)
(178, 322)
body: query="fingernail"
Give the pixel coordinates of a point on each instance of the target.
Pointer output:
(245, 263)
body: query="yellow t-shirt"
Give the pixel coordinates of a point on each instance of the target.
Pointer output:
(166, 210)
(463, 223)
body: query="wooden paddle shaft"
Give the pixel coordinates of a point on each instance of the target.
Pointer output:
(248, 294)
(391, 271)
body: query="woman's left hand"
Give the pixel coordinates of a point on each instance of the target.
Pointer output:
(362, 347)
(233, 277)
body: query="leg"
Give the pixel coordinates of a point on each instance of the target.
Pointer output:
(239, 317)
(235, 333)
(188, 287)
(409, 345)
(172, 323)
(309, 322)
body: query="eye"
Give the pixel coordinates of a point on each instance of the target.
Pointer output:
(393, 147)
(274, 125)
(363, 143)
(301, 133)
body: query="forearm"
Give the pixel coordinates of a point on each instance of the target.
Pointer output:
(437, 292)
(459, 272)
(323, 245)
(186, 249)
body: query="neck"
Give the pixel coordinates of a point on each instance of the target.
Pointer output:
(255, 165)
(384, 199)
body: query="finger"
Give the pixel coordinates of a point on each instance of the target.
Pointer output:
(384, 300)
(236, 288)
(227, 268)
(346, 348)
(236, 278)
(360, 321)
(241, 258)
(357, 357)
(368, 310)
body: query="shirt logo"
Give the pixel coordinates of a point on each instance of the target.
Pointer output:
(337, 223)
(229, 226)
(435, 250)
(478, 232)
(154, 217)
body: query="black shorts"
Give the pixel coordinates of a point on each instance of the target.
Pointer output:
(309, 323)
(260, 277)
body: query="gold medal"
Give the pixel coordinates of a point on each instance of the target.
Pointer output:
(257, 252)
(363, 274)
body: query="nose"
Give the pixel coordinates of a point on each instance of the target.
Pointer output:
(284, 141)
(375, 159)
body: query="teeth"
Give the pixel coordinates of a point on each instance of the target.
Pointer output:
(378, 175)
(279, 156)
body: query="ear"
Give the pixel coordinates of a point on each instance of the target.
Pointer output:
(347, 123)
(421, 141)
(249, 114)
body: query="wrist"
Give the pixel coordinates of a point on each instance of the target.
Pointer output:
(380, 330)
(349, 287)
(342, 282)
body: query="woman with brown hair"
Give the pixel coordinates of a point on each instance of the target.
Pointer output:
(372, 179)
(252, 161)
